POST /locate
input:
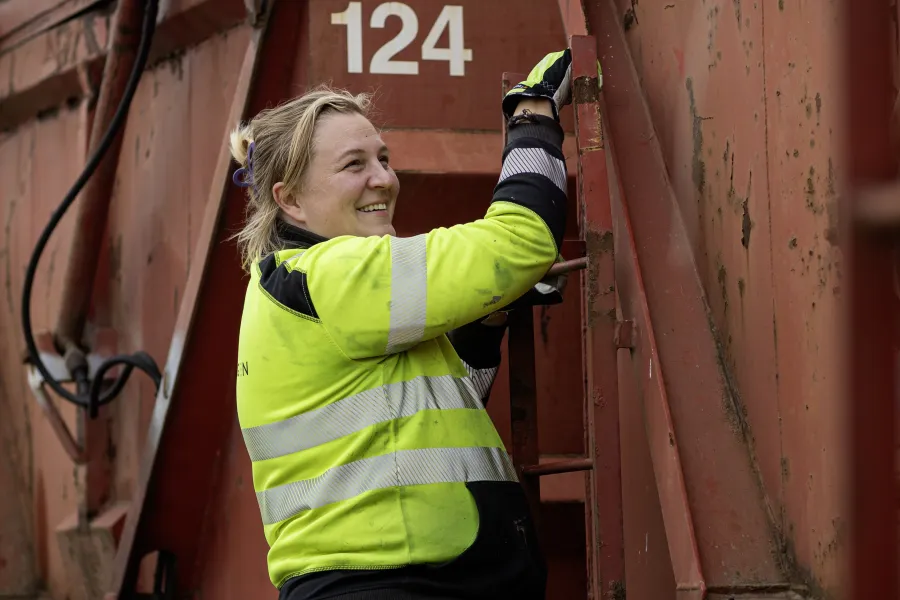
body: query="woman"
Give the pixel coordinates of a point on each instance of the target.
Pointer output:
(378, 472)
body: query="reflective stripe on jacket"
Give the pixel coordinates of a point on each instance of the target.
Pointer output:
(363, 424)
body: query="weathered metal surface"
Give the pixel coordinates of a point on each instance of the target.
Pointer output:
(761, 87)
(140, 276)
(725, 503)
(38, 162)
(93, 206)
(169, 155)
(743, 97)
(644, 368)
(871, 393)
(648, 565)
(21, 21)
(64, 63)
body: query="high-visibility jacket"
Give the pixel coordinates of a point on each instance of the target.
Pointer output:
(370, 445)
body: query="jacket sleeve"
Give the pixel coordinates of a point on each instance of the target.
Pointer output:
(381, 295)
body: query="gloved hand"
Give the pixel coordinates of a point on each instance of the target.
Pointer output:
(551, 78)
(547, 292)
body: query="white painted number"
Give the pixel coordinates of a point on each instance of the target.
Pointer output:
(450, 20)
(352, 18)
(457, 54)
(381, 62)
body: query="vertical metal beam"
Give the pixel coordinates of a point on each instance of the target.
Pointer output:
(603, 497)
(871, 168)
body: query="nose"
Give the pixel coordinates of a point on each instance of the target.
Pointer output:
(380, 178)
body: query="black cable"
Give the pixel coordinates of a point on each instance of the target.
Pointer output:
(93, 399)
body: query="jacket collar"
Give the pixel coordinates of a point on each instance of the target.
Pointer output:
(295, 237)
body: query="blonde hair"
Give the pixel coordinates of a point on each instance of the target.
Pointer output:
(282, 139)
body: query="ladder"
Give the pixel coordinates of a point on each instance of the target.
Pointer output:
(601, 334)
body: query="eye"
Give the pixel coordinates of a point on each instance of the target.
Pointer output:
(385, 160)
(353, 164)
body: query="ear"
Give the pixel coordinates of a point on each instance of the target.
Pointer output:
(288, 203)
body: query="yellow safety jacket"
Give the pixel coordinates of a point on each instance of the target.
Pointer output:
(370, 445)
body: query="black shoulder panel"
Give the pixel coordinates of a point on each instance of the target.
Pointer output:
(286, 287)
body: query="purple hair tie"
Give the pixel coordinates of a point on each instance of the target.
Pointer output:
(243, 177)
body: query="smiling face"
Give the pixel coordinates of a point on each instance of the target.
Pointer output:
(349, 187)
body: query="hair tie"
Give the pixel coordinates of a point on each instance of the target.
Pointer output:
(243, 177)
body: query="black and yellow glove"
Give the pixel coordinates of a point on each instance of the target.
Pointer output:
(551, 78)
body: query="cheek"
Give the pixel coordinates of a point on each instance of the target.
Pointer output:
(395, 183)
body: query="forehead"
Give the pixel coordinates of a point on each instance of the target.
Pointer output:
(337, 133)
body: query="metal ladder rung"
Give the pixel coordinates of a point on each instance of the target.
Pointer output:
(576, 264)
(560, 466)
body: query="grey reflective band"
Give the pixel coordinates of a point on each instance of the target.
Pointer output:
(354, 413)
(409, 287)
(534, 160)
(401, 468)
(481, 380)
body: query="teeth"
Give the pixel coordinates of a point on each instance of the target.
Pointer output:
(373, 207)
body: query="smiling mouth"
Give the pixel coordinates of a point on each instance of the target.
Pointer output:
(373, 208)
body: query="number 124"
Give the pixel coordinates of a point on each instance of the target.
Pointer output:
(451, 18)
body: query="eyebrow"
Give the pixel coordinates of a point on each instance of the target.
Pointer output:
(357, 151)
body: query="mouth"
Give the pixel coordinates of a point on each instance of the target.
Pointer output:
(373, 208)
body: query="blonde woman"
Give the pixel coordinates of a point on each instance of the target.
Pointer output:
(365, 359)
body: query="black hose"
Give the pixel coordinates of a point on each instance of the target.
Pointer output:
(93, 399)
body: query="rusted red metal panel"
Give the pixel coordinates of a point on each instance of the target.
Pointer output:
(729, 516)
(64, 63)
(744, 100)
(165, 169)
(21, 20)
(648, 565)
(805, 172)
(38, 161)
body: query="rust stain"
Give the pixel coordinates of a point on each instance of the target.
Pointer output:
(545, 324)
(698, 170)
(596, 242)
(722, 278)
(7, 236)
(746, 225)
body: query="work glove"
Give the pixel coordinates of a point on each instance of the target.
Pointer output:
(551, 79)
(546, 292)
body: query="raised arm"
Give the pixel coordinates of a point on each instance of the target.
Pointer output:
(381, 295)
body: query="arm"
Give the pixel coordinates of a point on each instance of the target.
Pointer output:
(378, 296)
